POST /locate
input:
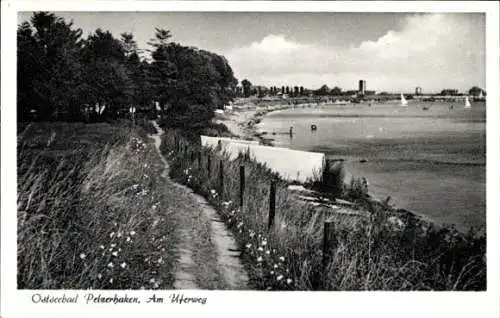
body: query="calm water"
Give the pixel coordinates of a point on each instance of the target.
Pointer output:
(430, 161)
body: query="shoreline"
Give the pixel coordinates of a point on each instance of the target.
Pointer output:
(246, 120)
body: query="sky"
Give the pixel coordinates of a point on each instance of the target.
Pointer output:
(392, 52)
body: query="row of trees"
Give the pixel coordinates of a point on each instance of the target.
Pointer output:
(62, 75)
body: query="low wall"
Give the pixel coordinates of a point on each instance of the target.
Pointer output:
(291, 165)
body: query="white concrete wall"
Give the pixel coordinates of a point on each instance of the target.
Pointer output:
(291, 165)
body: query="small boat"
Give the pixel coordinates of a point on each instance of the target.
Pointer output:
(313, 127)
(467, 102)
(404, 102)
(425, 108)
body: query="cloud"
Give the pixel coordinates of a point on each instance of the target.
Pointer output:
(434, 51)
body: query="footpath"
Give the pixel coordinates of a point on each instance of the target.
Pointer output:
(208, 254)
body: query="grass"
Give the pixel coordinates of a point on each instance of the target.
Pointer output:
(91, 209)
(389, 249)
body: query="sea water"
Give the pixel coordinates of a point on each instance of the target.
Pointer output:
(430, 161)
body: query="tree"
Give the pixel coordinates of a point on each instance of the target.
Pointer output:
(49, 67)
(247, 86)
(336, 91)
(322, 91)
(301, 90)
(282, 89)
(476, 91)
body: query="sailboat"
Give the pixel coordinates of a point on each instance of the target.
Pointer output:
(404, 102)
(467, 102)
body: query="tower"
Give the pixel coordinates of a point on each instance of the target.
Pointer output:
(362, 87)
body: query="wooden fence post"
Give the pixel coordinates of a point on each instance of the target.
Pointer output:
(242, 185)
(221, 184)
(209, 165)
(272, 205)
(329, 245)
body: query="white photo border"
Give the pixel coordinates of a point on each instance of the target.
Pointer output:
(18, 303)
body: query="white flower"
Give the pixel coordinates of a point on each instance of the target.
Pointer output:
(272, 272)
(268, 252)
(289, 281)
(123, 265)
(279, 278)
(248, 245)
(113, 245)
(128, 238)
(264, 243)
(160, 260)
(115, 253)
(252, 234)
(152, 280)
(102, 247)
(99, 276)
(145, 165)
(112, 234)
(154, 207)
(110, 265)
(82, 256)
(260, 249)
(282, 258)
(119, 234)
(111, 280)
(259, 259)
(275, 265)
(156, 285)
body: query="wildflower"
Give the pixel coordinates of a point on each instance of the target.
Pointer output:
(146, 259)
(113, 245)
(268, 252)
(145, 165)
(119, 234)
(99, 276)
(156, 285)
(248, 245)
(264, 243)
(279, 278)
(112, 234)
(123, 265)
(275, 265)
(82, 256)
(282, 258)
(252, 234)
(154, 207)
(135, 186)
(110, 265)
(115, 253)
(260, 249)
(289, 281)
(272, 272)
(160, 260)
(152, 280)
(259, 259)
(111, 280)
(240, 225)
(128, 238)
(102, 247)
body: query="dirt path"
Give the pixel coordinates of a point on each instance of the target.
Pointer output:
(208, 254)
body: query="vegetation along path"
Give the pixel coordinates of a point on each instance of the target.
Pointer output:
(208, 253)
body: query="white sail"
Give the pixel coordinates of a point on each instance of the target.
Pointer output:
(404, 102)
(467, 102)
(481, 94)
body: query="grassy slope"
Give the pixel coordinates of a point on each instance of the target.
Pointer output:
(91, 210)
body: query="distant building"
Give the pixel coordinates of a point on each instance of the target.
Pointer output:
(362, 87)
(418, 90)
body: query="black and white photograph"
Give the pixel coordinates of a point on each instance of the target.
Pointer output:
(250, 150)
